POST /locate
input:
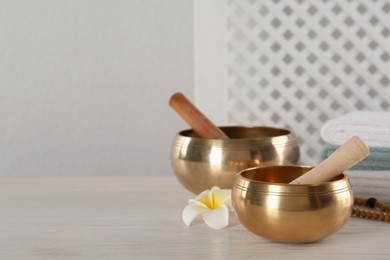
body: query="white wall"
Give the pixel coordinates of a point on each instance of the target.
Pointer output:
(84, 85)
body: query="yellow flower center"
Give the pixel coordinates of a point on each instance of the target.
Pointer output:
(212, 203)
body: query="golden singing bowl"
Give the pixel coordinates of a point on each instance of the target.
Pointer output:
(200, 163)
(270, 207)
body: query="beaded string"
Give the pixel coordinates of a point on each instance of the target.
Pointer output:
(381, 211)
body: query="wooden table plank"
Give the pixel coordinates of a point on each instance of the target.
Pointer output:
(140, 217)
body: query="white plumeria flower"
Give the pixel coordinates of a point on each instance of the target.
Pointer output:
(213, 205)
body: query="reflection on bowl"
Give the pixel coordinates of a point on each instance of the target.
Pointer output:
(200, 164)
(270, 207)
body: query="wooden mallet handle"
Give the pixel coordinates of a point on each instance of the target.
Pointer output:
(346, 156)
(196, 119)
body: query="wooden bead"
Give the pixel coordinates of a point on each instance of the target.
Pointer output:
(382, 215)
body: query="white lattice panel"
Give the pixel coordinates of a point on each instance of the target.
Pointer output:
(296, 64)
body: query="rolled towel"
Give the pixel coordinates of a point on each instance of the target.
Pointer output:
(378, 160)
(366, 184)
(372, 126)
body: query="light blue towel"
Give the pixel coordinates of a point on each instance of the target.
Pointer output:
(378, 160)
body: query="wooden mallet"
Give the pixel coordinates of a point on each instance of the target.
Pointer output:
(195, 118)
(350, 153)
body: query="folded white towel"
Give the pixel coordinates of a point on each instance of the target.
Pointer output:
(366, 184)
(371, 126)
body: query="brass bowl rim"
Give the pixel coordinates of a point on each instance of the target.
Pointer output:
(333, 186)
(287, 139)
(288, 132)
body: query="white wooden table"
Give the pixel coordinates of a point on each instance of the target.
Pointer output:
(140, 218)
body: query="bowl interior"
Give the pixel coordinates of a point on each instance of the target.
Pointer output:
(242, 132)
(282, 174)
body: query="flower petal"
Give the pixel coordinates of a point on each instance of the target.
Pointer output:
(221, 196)
(193, 201)
(218, 218)
(205, 197)
(191, 211)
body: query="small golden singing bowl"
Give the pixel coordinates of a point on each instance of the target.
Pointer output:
(270, 207)
(200, 163)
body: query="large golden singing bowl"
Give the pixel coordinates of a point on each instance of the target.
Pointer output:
(200, 164)
(270, 207)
